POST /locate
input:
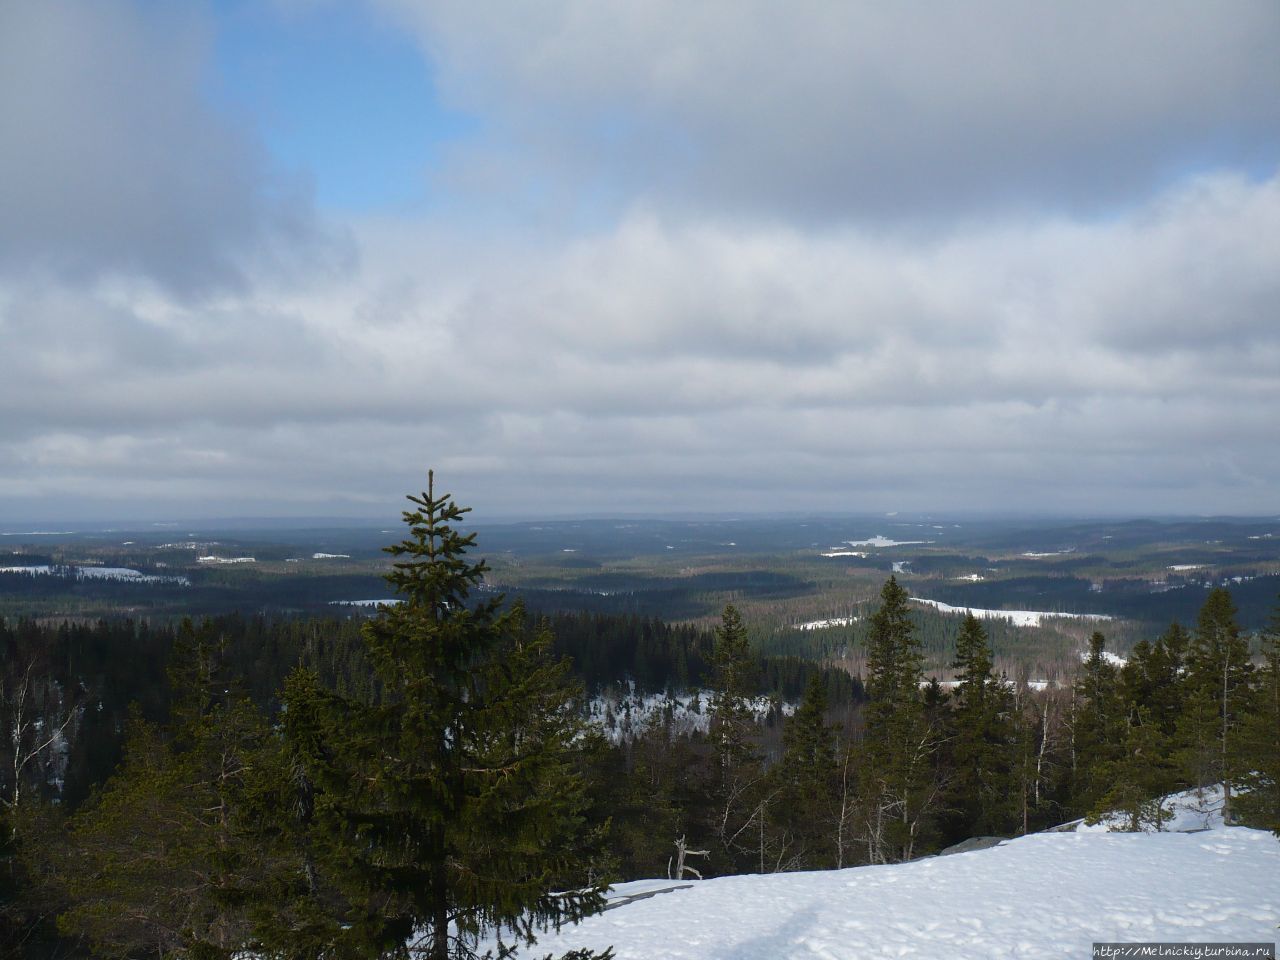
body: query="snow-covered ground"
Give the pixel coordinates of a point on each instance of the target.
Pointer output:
(1019, 618)
(879, 541)
(212, 559)
(331, 556)
(823, 624)
(1048, 895)
(123, 574)
(622, 716)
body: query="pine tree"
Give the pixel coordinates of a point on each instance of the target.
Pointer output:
(899, 789)
(451, 806)
(982, 744)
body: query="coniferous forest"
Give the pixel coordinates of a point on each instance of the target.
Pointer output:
(428, 782)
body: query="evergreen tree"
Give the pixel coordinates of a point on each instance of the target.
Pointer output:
(167, 859)
(1098, 724)
(982, 744)
(899, 789)
(1137, 779)
(1218, 673)
(451, 806)
(807, 779)
(1259, 746)
(736, 785)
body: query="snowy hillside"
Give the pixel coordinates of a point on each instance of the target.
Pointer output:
(1042, 896)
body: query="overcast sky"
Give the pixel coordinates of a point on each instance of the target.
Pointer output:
(601, 258)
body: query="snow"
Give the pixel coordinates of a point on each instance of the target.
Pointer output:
(622, 716)
(1186, 566)
(972, 577)
(125, 574)
(1190, 811)
(226, 560)
(845, 553)
(879, 541)
(1047, 895)
(1112, 658)
(823, 624)
(900, 566)
(331, 556)
(1019, 618)
(1049, 553)
(364, 603)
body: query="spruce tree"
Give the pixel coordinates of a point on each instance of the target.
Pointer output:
(1259, 742)
(449, 807)
(1099, 727)
(1218, 671)
(982, 743)
(736, 784)
(807, 799)
(898, 783)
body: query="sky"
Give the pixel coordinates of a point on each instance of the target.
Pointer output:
(281, 257)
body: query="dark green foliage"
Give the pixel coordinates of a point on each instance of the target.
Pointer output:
(1137, 778)
(1099, 725)
(1258, 750)
(166, 860)
(898, 771)
(806, 805)
(982, 748)
(1217, 690)
(452, 805)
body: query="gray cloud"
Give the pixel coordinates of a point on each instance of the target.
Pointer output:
(836, 111)
(684, 364)
(114, 163)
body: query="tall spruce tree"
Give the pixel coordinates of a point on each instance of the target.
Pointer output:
(450, 807)
(1218, 671)
(737, 788)
(807, 802)
(1099, 727)
(982, 738)
(899, 788)
(1259, 746)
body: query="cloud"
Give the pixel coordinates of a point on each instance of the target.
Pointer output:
(831, 112)
(679, 363)
(116, 164)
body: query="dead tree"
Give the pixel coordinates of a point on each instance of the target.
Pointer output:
(682, 851)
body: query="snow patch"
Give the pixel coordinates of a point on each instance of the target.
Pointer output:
(879, 541)
(1019, 618)
(823, 624)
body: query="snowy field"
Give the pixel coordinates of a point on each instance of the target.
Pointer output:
(120, 574)
(1048, 895)
(1019, 618)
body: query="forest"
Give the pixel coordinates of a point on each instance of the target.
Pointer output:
(408, 784)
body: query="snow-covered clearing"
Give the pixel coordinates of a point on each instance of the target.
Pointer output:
(331, 556)
(121, 574)
(846, 553)
(226, 560)
(879, 541)
(1019, 618)
(1048, 895)
(823, 624)
(622, 716)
